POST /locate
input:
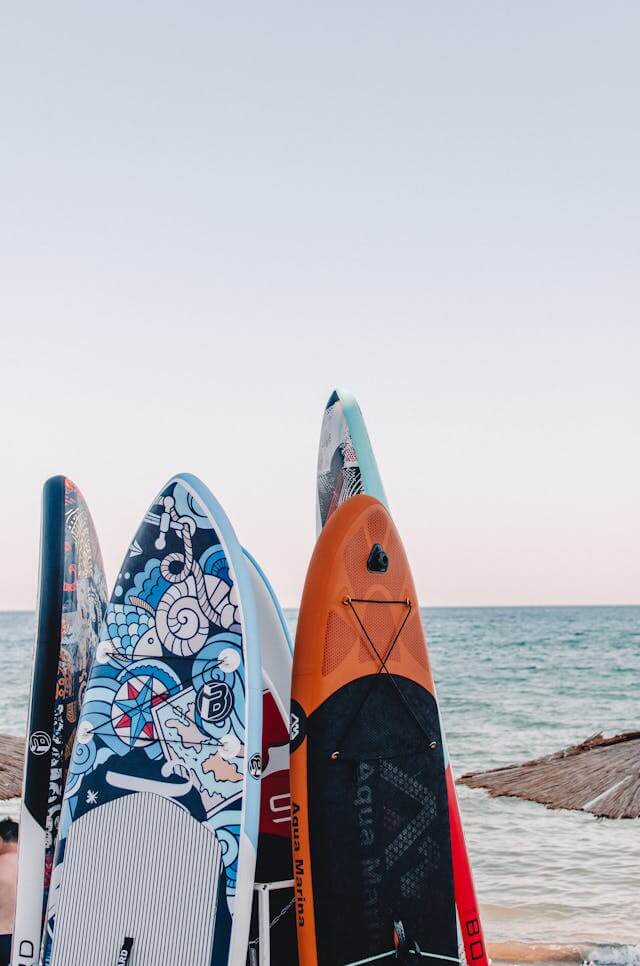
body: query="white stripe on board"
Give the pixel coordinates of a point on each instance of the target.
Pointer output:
(372, 959)
(392, 952)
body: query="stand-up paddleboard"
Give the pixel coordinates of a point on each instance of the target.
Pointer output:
(370, 820)
(72, 597)
(273, 928)
(346, 464)
(156, 851)
(344, 443)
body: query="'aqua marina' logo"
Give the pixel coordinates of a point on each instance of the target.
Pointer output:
(39, 743)
(255, 765)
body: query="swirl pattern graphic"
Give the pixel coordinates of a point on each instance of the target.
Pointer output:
(182, 627)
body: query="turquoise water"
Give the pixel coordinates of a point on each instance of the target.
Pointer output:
(513, 683)
(522, 682)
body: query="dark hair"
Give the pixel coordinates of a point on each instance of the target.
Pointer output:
(8, 830)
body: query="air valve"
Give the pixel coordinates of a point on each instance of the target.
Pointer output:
(378, 562)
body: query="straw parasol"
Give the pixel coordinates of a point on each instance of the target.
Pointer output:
(600, 775)
(11, 761)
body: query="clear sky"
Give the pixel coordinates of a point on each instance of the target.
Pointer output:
(212, 213)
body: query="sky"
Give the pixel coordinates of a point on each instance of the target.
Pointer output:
(212, 214)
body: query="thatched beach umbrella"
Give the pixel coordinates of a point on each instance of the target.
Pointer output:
(11, 761)
(600, 775)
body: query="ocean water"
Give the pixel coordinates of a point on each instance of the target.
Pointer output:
(513, 683)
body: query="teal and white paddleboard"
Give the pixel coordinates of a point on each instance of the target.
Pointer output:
(346, 464)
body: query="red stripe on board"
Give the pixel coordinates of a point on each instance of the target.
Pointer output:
(465, 893)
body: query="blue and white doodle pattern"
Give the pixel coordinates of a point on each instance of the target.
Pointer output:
(164, 709)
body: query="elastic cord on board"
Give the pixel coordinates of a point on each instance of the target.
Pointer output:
(349, 602)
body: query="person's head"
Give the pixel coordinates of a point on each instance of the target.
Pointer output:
(8, 834)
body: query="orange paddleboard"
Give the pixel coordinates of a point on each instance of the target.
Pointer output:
(370, 820)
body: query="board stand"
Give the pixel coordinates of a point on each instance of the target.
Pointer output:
(264, 890)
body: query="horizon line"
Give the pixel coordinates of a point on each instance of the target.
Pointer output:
(26, 610)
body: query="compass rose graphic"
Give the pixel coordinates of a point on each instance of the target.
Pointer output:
(131, 712)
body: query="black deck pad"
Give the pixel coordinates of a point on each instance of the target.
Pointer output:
(379, 821)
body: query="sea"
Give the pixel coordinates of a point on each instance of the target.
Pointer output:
(514, 683)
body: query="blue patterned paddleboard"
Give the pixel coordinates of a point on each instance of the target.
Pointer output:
(157, 845)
